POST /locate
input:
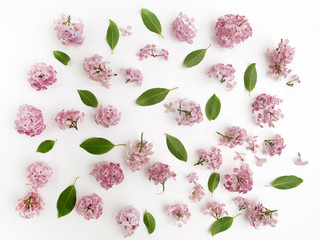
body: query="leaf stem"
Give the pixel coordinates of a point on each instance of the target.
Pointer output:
(75, 180)
(208, 46)
(122, 144)
(161, 35)
(237, 215)
(173, 88)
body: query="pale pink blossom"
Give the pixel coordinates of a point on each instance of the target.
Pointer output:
(169, 107)
(235, 136)
(241, 181)
(224, 73)
(29, 121)
(252, 145)
(299, 161)
(259, 215)
(212, 158)
(126, 31)
(129, 218)
(232, 29)
(216, 210)
(197, 194)
(180, 213)
(184, 28)
(39, 174)
(273, 146)
(41, 76)
(192, 177)
(160, 173)
(108, 174)
(239, 156)
(295, 79)
(69, 119)
(69, 33)
(107, 116)
(152, 50)
(90, 207)
(241, 202)
(30, 205)
(133, 75)
(260, 161)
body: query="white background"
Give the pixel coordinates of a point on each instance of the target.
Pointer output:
(27, 36)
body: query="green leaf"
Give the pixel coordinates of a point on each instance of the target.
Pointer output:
(88, 98)
(61, 57)
(195, 57)
(221, 225)
(112, 35)
(213, 107)
(176, 148)
(213, 182)
(67, 200)
(98, 145)
(250, 77)
(149, 221)
(153, 96)
(287, 182)
(46, 146)
(151, 21)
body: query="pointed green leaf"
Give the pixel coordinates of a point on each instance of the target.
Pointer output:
(112, 35)
(88, 98)
(286, 182)
(98, 145)
(213, 107)
(149, 221)
(176, 148)
(213, 182)
(46, 146)
(67, 200)
(153, 96)
(250, 77)
(151, 21)
(221, 225)
(61, 57)
(195, 57)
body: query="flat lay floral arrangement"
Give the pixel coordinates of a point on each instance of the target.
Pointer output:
(230, 30)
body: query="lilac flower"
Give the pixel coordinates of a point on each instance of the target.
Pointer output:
(265, 105)
(152, 50)
(180, 213)
(232, 29)
(241, 181)
(139, 154)
(224, 73)
(169, 107)
(273, 146)
(252, 145)
(241, 202)
(259, 215)
(239, 156)
(29, 121)
(184, 29)
(67, 32)
(108, 116)
(69, 118)
(41, 76)
(216, 210)
(126, 31)
(192, 177)
(160, 173)
(98, 70)
(233, 137)
(39, 174)
(212, 158)
(299, 161)
(108, 174)
(129, 217)
(260, 161)
(133, 75)
(90, 207)
(197, 194)
(295, 78)
(30, 205)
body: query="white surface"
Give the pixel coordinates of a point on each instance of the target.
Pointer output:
(27, 36)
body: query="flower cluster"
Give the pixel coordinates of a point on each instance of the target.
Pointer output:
(216, 210)
(126, 31)
(30, 205)
(212, 158)
(252, 145)
(232, 29)
(241, 181)
(160, 173)
(259, 215)
(133, 75)
(152, 50)
(67, 32)
(233, 137)
(184, 29)
(198, 190)
(224, 73)
(39, 174)
(41, 76)
(69, 118)
(241, 202)
(180, 213)
(129, 217)
(273, 146)
(107, 116)
(29, 121)
(90, 207)
(108, 174)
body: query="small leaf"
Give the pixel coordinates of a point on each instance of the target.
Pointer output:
(195, 57)
(176, 148)
(221, 225)
(88, 98)
(287, 182)
(98, 145)
(67, 200)
(61, 57)
(213, 107)
(149, 221)
(250, 77)
(153, 96)
(45, 146)
(213, 182)
(112, 35)
(151, 21)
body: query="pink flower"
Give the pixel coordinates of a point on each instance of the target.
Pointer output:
(192, 177)
(233, 137)
(133, 75)
(67, 32)
(273, 146)
(69, 119)
(41, 76)
(239, 156)
(184, 29)
(139, 154)
(180, 213)
(299, 161)
(151, 50)
(216, 210)
(108, 174)
(108, 116)
(212, 157)
(90, 207)
(241, 202)
(98, 70)
(224, 73)
(232, 29)
(29, 121)
(295, 78)
(30, 205)
(260, 161)
(39, 174)
(259, 215)
(126, 31)
(129, 217)
(241, 181)
(252, 145)
(197, 194)
(160, 173)
(265, 105)
(169, 107)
